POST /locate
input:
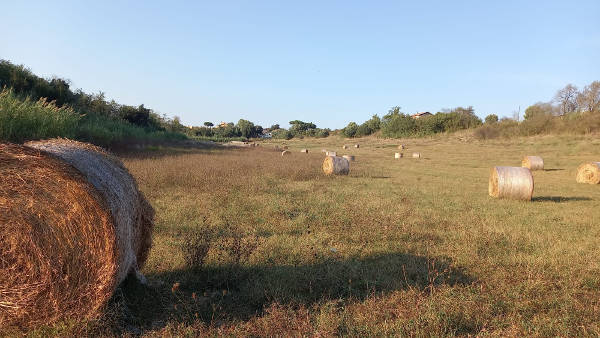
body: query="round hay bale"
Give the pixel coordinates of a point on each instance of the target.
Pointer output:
(533, 163)
(350, 158)
(336, 165)
(398, 155)
(416, 155)
(344, 147)
(511, 183)
(588, 173)
(401, 147)
(357, 145)
(62, 251)
(304, 151)
(331, 153)
(286, 152)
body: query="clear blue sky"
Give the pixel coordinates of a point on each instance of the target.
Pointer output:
(329, 62)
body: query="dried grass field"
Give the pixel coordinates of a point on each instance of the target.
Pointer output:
(248, 242)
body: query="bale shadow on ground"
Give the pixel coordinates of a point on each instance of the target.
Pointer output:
(232, 293)
(560, 199)
(554, 169)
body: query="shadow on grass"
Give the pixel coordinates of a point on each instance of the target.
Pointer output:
(221, 295)
(555, 169)
(560, 199)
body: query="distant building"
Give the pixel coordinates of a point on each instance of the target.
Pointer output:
(221, 125)
(421, 114)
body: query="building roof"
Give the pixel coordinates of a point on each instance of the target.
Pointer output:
(424, 113)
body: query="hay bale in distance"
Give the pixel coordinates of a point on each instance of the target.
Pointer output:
(398, 155)
(344, 147)
(416, 155)
(285, 147)
(357, 145)
(401, 147)
(350, 158)
(331, 153)
(533, 163)
(64, 248)
(511, 183)
(588, 173)
(334, 165)
(286, 152)
(304, 151)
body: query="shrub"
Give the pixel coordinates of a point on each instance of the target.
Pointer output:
(23, 120)
(196, 245)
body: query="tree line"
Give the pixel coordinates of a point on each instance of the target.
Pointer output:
(397, 124)
(247, 129)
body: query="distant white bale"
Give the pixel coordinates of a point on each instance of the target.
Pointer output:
(511, 183)
(331, 153)
(357, 145)
(344, 147)
(589, 173)
(350, 158)
(304, 151)
(533, 163)
(416, 155)
(286, 152)
(336, 166)
(398, 155)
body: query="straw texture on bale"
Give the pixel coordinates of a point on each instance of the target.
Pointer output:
(349, 157)
(533, 163)
(304, 151)
(588, 173)
(416, 155)
(511, 183)
(336, 165)
(60, 254)
(132, 214)
(398, 155)
(285, 153)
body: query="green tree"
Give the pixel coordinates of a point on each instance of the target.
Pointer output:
(490, 119)
(208, 124)
(350, 130)
(537, 109)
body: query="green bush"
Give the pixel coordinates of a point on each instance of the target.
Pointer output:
(23, 120)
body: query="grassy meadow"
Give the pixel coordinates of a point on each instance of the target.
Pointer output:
(248, 242)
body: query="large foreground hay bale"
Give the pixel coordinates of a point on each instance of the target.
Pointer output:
(533, 163)
(398, 155)
(336, 165)
(588, 173)
(73, 225)
(511, 183)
